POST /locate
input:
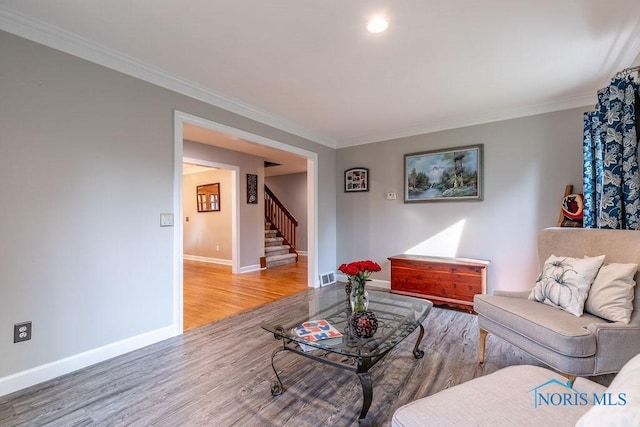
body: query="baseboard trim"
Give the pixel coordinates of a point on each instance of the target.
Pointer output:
(207, 259)
(374, 283)
(246, 269)
(381, 284)
(250, 268)
(48, 371)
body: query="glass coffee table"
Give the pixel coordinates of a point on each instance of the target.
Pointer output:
(398, 316)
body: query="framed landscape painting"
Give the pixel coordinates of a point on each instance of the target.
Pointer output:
(444, 175)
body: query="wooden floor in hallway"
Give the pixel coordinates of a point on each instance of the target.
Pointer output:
(212, 293)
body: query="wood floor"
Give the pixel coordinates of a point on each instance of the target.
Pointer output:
(212, 293)
(220, 375)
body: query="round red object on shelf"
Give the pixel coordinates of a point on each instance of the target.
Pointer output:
(573, 206)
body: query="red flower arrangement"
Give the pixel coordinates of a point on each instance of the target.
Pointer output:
(360, 271)
(363, 322)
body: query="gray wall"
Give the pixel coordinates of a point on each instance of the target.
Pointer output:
(527, 163)
(86, 161)
(291, 190)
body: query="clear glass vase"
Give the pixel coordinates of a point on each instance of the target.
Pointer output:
(359, 296)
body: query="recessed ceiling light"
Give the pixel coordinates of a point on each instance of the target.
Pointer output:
(377, 25)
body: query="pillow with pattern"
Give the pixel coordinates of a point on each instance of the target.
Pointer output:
(565, 282)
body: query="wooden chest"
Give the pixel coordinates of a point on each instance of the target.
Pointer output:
(445, 281)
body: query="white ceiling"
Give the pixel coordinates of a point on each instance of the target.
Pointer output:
(287, 163)
(190, 168)
(310, 68)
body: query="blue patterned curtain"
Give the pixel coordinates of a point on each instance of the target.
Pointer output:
(611, 177)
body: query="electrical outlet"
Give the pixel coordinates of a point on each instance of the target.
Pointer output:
(21, 332)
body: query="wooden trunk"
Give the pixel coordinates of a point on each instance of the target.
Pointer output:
(444, 281)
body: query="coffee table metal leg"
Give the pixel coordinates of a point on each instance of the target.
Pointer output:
(367, 393)
(276, 385)
(417, 353)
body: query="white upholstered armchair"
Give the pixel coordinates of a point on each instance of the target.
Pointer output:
(574, 345)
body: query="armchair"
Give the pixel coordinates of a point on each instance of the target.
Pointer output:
(574, 346)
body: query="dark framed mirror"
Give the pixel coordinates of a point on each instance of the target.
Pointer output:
(208, 197)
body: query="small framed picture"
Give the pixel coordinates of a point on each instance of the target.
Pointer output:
(356, 179)
(252, 189)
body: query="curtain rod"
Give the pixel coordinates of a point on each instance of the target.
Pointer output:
(628, 71)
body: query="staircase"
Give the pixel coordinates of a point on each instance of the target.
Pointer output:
(279, 232)
(276, 251)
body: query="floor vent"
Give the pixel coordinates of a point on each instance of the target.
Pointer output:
(327, 279)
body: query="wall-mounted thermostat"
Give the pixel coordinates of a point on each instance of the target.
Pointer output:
(391, 196)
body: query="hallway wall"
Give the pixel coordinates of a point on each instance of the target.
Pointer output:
(207, 234)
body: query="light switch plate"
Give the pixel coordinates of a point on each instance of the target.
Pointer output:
(166, 220)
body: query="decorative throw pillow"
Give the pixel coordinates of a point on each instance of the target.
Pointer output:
(611, 294)
(626, 385)
(564, 282)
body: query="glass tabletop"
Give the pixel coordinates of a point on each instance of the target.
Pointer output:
(397, 315)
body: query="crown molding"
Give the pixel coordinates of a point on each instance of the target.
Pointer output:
(64, 41)
(479, 118)
(59, 39)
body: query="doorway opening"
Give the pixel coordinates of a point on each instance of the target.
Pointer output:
(180, 121)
